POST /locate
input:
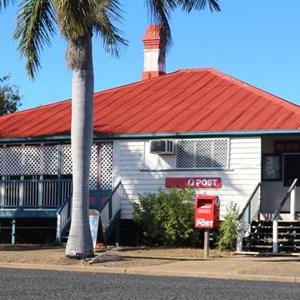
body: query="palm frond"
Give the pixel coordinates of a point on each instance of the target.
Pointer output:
(5, 3)
(159, 11)
(107, 13)
(35, 25)
(75, 17)
(190, 5)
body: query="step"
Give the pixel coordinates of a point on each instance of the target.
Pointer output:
(261, 235)
(287, 235)
(269, 223)
(280, 224)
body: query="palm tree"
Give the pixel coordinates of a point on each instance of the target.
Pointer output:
(77, 21)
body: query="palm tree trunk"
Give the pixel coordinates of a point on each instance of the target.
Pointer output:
(80, 243)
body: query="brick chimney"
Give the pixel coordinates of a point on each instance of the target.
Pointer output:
(151, 53)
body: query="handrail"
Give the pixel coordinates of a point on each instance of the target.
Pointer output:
(240, 216)
(276, 214)
(63, 217)
(110, 208)
(252, 209)
(111, 195)
(106, 211)
(285, 198)
(63, 205)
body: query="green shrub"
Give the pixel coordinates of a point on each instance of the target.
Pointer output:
(228, 232)
(167, 218)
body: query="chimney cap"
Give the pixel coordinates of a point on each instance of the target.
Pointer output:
(152, 32)
(152, 38)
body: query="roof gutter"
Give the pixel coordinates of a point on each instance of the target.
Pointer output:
(60, 138)
(197, 134)
(174, 135)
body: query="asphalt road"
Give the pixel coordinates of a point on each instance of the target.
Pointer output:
(42, 284)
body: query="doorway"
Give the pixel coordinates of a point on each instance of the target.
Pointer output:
(291, 169)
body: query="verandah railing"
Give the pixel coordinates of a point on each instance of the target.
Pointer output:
(54, 194)
(34, 193)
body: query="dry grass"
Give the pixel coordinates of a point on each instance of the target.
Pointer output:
(115, 257)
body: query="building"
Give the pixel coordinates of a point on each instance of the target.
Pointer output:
(196, 127)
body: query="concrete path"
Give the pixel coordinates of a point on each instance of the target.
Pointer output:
(284, 269)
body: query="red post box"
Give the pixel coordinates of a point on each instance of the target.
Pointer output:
(207, 211)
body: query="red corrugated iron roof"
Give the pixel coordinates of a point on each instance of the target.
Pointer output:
(186, 101)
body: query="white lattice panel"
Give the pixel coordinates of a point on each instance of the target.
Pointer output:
(50, 160)
(221, 153)
(11, 161)
(202, 154)
(31, 161)
(94, 167)
(67, 160)
(106, 165)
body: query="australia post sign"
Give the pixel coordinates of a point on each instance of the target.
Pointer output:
(194, 182)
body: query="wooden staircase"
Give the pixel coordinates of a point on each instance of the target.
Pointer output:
(279, 232)
(108, 208)
(260, 237)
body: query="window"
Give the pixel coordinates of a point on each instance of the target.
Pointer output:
(202, 154)
(271, 167)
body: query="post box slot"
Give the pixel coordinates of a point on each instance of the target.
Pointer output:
(204, 203)
(204, 209)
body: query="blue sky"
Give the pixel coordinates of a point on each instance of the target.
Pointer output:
(256, 41)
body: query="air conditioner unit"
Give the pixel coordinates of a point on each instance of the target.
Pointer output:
(162, 147)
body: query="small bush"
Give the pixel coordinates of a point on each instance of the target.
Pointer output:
(167, 218)
(228, 232)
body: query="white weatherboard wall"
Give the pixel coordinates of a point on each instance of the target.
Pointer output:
(142, 172)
